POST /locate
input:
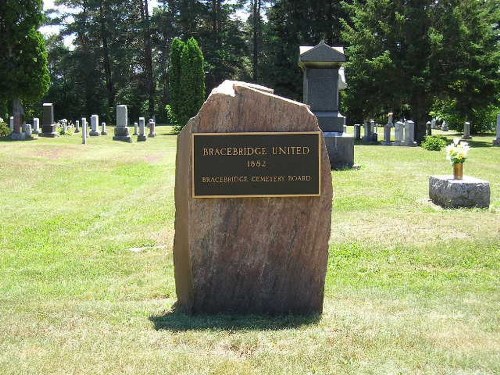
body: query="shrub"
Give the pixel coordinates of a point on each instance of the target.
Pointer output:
(434, 142)
(4, 129)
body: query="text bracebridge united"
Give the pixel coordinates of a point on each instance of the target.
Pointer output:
(227, 165)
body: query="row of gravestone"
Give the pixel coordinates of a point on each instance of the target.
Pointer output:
(49, 127)
(405, 131)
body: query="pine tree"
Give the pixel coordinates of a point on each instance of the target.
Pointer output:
(23, 57)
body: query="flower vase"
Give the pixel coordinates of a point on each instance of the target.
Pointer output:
(458, 171)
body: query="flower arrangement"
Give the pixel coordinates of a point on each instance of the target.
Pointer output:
(457, 151)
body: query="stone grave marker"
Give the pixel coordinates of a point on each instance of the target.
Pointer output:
(28, 131)
(444, 126)
(94, 125)
(11, 124)
(84, 130)
(152, 129)
(323, 78)
(399, 132)
(496, 142)
(387, 129)
(142, 130)
(409, 137)
(466, 130)
(121, 129)
(253, 198)
(103, 129)
(36, 125)
(357, 132)
(48, 125)
(428, 128)
(77, 126)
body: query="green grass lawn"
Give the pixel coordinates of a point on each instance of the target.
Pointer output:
(87, 280)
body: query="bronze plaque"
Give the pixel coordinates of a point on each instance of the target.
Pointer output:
(271, 164)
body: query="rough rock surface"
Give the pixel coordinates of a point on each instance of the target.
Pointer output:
(450, 193)
(250, 255)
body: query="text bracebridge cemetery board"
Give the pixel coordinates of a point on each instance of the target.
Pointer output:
(268, 164)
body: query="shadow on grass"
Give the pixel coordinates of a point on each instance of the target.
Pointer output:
(176, 321)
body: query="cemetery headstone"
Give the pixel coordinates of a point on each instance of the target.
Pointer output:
(142, 130)
(36, 125)
(136, 128)
(77, 126)
(387, 129)
(428, 128)
(323, 78)
(152, 129)
(444, 126)
(48, 125)
(466, 130)
(28, 131)
(433, 124)
(469, 192)
(94, 124)
(368, 137)
(84, 130)
(357, 132)
(496, 142)
(103, 129)
(409, 127)
(399, 131)
(253, 198)
(11, 124)
(121, 129)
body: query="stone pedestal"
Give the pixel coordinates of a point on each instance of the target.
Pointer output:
(103, 129)
(121, 129)
(264, 255)
(468, 192)
(48, 125)
(94, 126)
(323, 78)
(77, 126)
(496, 142)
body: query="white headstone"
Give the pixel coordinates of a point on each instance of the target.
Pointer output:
(152, 128)
(103, 129)
(467, 130)
(94, 124)
(121, 116)
(410, 133)
(444, 126)
(77, 126)
(142, 129)
(121, 128)
(11, 123)
(496, 142)
(27, 130)
(136, 128)
(399, 129)
(36, 125)
(433, 123)
(84, 130)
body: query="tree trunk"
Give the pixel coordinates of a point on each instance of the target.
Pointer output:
(106, 60)
(148, 57)
(18, 114)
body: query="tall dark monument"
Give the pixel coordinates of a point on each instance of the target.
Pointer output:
(322, 82)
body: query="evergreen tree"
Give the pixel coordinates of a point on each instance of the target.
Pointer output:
(175, 80)
(192, 81)
(23, 57)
